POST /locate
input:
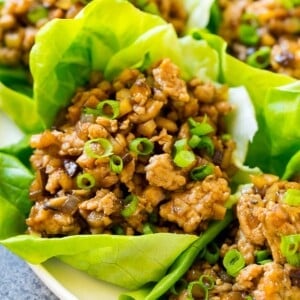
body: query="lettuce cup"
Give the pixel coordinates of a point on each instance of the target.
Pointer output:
(127, 132)
(21, 21)
(264, 34)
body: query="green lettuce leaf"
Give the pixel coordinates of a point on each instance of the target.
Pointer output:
(12, 221)
(115, 259)
(19, 149)
(276, 102)
(293, 167)
(16, 78)
(198, 13)
(20, 108)
(15, 179)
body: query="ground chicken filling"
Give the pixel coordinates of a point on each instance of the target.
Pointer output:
(264, 33)
(262, 219)
(176, 180)
(20, 21)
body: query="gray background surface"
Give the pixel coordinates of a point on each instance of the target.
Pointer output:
(18, 282)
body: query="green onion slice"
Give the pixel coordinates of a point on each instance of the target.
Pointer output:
(190, 290)
(184, 158)
(141, 146)
(179, 286)
(118, 230)
(233, 262)
(289, 247)
(207, 143)
(211, 253)
(265, 261)
(148, 228)
(37, 13)
(201, 172)
(292, 197)
(199, 129)
(131, 204)
(116, 164)
(85, 181)
(248, 34)
(194, 141)
(180, 145)
(250, 19)
(206, 282)
(262, 255)
(109, 109)
(260, 58)
(98, 148)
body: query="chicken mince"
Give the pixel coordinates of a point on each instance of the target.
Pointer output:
(262, 218)
(20, 21)
(77, 190)
(264, 33)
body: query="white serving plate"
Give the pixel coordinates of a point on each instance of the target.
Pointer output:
(68, 283)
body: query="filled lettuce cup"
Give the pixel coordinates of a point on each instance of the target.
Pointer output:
(133, 150)
(20, 21)
(264, 34)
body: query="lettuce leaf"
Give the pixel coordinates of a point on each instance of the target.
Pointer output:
(198, 13)
(277, 106)
(113, 258)
(12, 221)
(16, 78)
(15, 179)
(20, 108)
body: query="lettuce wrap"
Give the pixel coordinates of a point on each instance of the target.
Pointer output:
(65, 53)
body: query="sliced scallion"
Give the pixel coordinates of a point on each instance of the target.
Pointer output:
(85, 181)
(289, 247)
(116, 164)
(131, 204)
(179, 286)
(184, 158)
(118, 230)
(148, 228)
(202, 129)
(260, 58)
(180, 145)
(194, 141)
(211, 253)
(109, 109)
(201, 172)
(98, 148)
(205, 282)
(37, 13)
(265, 261)
(248, 34)
(141, 146)
(233, 262)
(262, 255)
(207, 143)
(292, 197)
(199, 129)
